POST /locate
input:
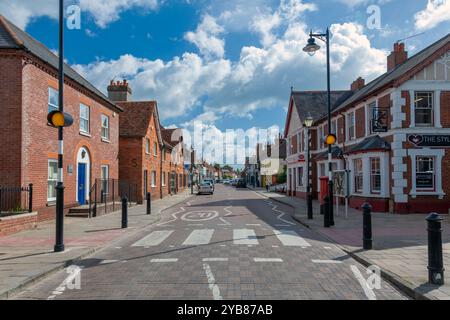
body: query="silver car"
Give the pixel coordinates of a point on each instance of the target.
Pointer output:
(205, 188)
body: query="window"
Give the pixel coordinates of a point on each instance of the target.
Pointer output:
(358, 168)
(425, 177)
(105, 178)
(53, 103)
(153, 179)
(105, 127)
(320, 137)
(375, 175)
(300, 144)
(145, 182)
(155, 149)
(322, 172)
(147, 146)
(300, 176)
(423, 102)
(351, 126)
(163, 178)
(334, 127)
(164, 154)
(52, 179)
(84, 118)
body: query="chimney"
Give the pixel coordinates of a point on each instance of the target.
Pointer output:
(119, 91)
(358, 84)
(397, 57)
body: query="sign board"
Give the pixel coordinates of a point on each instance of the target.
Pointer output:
(380, 120)
(341, 183)
(425, 180)
(430, 140)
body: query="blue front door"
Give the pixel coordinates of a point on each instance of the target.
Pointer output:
(82, 183)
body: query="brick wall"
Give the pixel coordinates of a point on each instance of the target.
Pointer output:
(151, 162)
(130, 161)
(14, 224)
(360, 121)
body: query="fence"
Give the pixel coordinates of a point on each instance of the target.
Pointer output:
(106, 195)
(14, 200)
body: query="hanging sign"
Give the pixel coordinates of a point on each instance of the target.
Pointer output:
(380, 118)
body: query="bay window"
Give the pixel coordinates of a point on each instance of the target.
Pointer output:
(375, 175)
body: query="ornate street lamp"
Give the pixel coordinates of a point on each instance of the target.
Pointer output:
(311, 48)
(308, 122)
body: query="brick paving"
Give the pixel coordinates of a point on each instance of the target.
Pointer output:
(28, 255)
(155, 263)
(399, 243)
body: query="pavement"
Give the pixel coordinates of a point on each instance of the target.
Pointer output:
(27, 257)
(233, 245)
(399, 244)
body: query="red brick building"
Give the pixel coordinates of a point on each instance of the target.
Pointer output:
(393, 135)
(173, 164)
(28, 91)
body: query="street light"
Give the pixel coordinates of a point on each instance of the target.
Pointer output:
(308, 124)
(311, 48)
(192, 169)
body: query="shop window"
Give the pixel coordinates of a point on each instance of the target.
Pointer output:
(425, 174)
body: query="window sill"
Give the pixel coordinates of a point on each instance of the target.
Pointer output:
(51, 203)
(415, 194)
(86, 134)
(106, 140)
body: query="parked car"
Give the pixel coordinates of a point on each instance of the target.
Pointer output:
(205, 188)
(226, 182)
(241, 184)
(210, 181)
(234, 182)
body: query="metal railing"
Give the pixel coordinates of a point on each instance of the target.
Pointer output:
(15, 200)
(106, 195)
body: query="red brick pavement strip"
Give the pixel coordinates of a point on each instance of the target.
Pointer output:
(393, 241)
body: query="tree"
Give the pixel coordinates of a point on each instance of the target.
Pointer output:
(282, 176)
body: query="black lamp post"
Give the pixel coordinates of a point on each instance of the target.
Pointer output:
(308, 124)
(311, 48)
(192, 170)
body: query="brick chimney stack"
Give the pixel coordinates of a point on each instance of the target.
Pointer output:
(119, 91)
(358, 84)
(397, 57)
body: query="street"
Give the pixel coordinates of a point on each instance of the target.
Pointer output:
(235, 245)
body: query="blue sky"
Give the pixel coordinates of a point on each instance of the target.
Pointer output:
(229, 63)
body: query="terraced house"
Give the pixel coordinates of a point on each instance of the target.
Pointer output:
(28, 91)
(393, 135)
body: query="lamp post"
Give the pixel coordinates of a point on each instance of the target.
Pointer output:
(308, 124)
(311, 48)
(192, 170)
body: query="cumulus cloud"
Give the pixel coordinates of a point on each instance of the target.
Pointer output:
(436, 12)
(102, 11)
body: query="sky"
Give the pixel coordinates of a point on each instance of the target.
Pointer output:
(230, 64)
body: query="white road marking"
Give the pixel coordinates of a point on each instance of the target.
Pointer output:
(223, 245)
(253, 225)
(108, 261)
(62, 287)
(195, 225)
(327, 261)
(202, 216)
(174, 216)
(268, 260)
(199, 237)
(328, 248)
(212, 282)
(226, 223)
(215, 259)
(275, 246)
(153, 239)
(291, 238)
(244, 237)
(164, 260)
(367, 290)
(229, 212)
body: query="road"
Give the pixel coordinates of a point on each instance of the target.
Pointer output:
(234, 244)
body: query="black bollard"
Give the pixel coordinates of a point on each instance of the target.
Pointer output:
(124, 213)
(149, 203)
(367, 226)
(326, 217)
(435, 261)
(310, 206)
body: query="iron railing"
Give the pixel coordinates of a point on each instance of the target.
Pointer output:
(15, 200)
(106, 195)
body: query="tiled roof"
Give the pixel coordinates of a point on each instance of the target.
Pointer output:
(135, 119)
(12, 37)
(171, 136)
(336, 153)
(369, 144)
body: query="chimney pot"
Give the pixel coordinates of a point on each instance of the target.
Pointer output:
(358, 84)
(397, 57)
(119, 91)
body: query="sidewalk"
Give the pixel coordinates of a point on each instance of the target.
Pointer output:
(399, 244)
(28, 256)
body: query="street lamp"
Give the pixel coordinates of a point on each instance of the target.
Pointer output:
(308, 124)
(192, 169)
(311, 48)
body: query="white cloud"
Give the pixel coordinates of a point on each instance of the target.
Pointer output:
(206, 38)
(436, 12)
(103, 11)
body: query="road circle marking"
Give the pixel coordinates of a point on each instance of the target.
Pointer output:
(199, 215)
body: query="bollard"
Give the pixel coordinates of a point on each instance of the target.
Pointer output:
(149, 203)
(435, 261)
(310, 207)
(367, 226)
(124, 213)
(326, 217)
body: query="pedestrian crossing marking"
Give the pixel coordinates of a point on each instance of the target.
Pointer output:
(153, 239)
(291, 238)
(268, 260)
(244, 237)
(327, 261)
(163, 260)
(199, 237)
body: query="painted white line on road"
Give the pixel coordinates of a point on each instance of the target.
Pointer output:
(153, 239)
(215, 260)
(229, 212)
(275, 246)
(244, 237)
(164, 260)
(327, 261)
(291, 238)
(226, 223)
(367, 290)
(195, 225)
(268, 260)
(108, 261)
(253, 225)
(328, 248)
(212, 282)
(199, 237)
(74, 273)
